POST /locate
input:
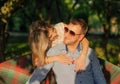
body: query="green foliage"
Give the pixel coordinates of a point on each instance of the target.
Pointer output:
(112, 48)
(17, 46)
(96, 12)
(94, 21)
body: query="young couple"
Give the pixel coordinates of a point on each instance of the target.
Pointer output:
(65, 50)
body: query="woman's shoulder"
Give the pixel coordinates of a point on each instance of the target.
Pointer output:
(60, 48)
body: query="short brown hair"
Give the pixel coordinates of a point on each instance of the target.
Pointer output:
(82, 23)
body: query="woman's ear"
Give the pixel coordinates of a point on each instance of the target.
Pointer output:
(81, 37)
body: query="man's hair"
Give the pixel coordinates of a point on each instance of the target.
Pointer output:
(82, 23)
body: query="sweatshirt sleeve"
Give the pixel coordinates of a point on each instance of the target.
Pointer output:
(39, 74)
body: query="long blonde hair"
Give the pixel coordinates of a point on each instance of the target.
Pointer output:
(39, 40)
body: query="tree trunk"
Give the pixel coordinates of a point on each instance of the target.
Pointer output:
(106, 35)
(2, 41)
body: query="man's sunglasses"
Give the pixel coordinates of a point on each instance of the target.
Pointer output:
(72, 33)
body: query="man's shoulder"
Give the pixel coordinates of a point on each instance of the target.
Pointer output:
(90, 49)
(91, 53)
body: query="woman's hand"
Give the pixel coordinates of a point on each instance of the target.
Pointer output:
(80, 64)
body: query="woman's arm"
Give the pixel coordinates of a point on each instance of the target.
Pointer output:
(62, 58)
(80, 62)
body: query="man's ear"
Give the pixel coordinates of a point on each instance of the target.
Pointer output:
(81, 37)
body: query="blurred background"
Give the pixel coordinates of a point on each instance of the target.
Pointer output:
(102, 16)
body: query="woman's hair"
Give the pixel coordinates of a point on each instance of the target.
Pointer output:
(39, 40)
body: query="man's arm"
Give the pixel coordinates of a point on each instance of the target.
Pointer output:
(97, 71)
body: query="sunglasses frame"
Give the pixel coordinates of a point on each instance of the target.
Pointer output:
(72, 33)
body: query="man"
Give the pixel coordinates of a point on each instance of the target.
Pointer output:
(80, 62)
(65, 74)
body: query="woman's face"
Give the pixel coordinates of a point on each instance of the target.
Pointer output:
(52, 34)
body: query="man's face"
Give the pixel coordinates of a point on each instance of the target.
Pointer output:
(72, 34)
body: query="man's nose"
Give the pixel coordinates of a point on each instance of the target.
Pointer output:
(67, 34)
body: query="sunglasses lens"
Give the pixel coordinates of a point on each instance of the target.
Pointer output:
(72, 33)
(66, 29)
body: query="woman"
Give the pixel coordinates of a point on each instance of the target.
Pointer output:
(42, 36)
